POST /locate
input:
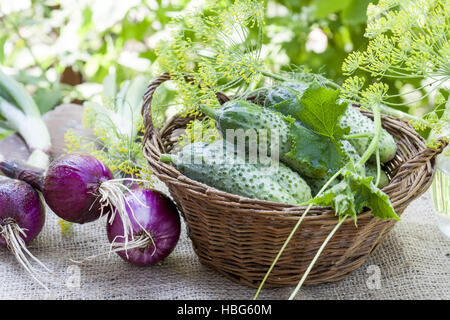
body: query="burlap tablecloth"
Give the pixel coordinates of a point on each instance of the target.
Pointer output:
(412, 263)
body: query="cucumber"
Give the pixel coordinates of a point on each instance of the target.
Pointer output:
(293, 182)
(351, 151)
(371, 171)
(300, 148)
(317, 184)
(214, 165)
(287, 93)
(359, 123)
(285, 98)
(244, 115)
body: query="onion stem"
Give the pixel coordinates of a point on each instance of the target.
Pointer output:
(23, 115)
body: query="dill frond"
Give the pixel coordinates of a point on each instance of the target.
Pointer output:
(407, 40)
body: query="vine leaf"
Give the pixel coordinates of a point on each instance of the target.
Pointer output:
(317, 153)
(354, 193)
(322, 112)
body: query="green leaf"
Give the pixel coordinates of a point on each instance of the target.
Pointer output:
(26, 79)
(355, 12)
(136, 91)
(353, 194)
(5, 95)
(325, 7)
(47, 98)
(3, 40)
(321, 112)
(110, 87)
(314, 154)
(5, 133)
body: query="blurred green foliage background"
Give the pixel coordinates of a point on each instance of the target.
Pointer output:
(62, 50)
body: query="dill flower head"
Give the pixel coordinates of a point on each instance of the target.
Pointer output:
(216, 49)
(408, 40)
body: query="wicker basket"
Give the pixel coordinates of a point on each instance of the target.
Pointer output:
(240, 237)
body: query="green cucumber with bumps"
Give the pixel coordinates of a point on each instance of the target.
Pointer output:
(371, 171)
(244, 115)
(214, 165)
(300, 148)
(360, 124)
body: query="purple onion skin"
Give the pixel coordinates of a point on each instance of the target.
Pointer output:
(160, 219)
(20, 203)
(70, 187)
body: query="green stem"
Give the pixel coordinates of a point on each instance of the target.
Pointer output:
(281, 251)
(377, 181)
(319, 252)
(281, 78)
(334, 85)
(293, 232)
(357, 136)
(167, 158)
(374, 142)
(397, 113)
(275, 76)
(208, 111)
(373, 147)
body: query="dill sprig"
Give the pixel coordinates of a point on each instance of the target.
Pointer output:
(118, 129)
(213, 50)
(408, 40)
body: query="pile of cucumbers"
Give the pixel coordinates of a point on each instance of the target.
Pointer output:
(306, 158)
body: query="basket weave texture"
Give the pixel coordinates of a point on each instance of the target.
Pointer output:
(240, 237)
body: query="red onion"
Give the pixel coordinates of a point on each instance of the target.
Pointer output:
(156, 228)
(77, 187)
(22, 217)
(71, 187)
